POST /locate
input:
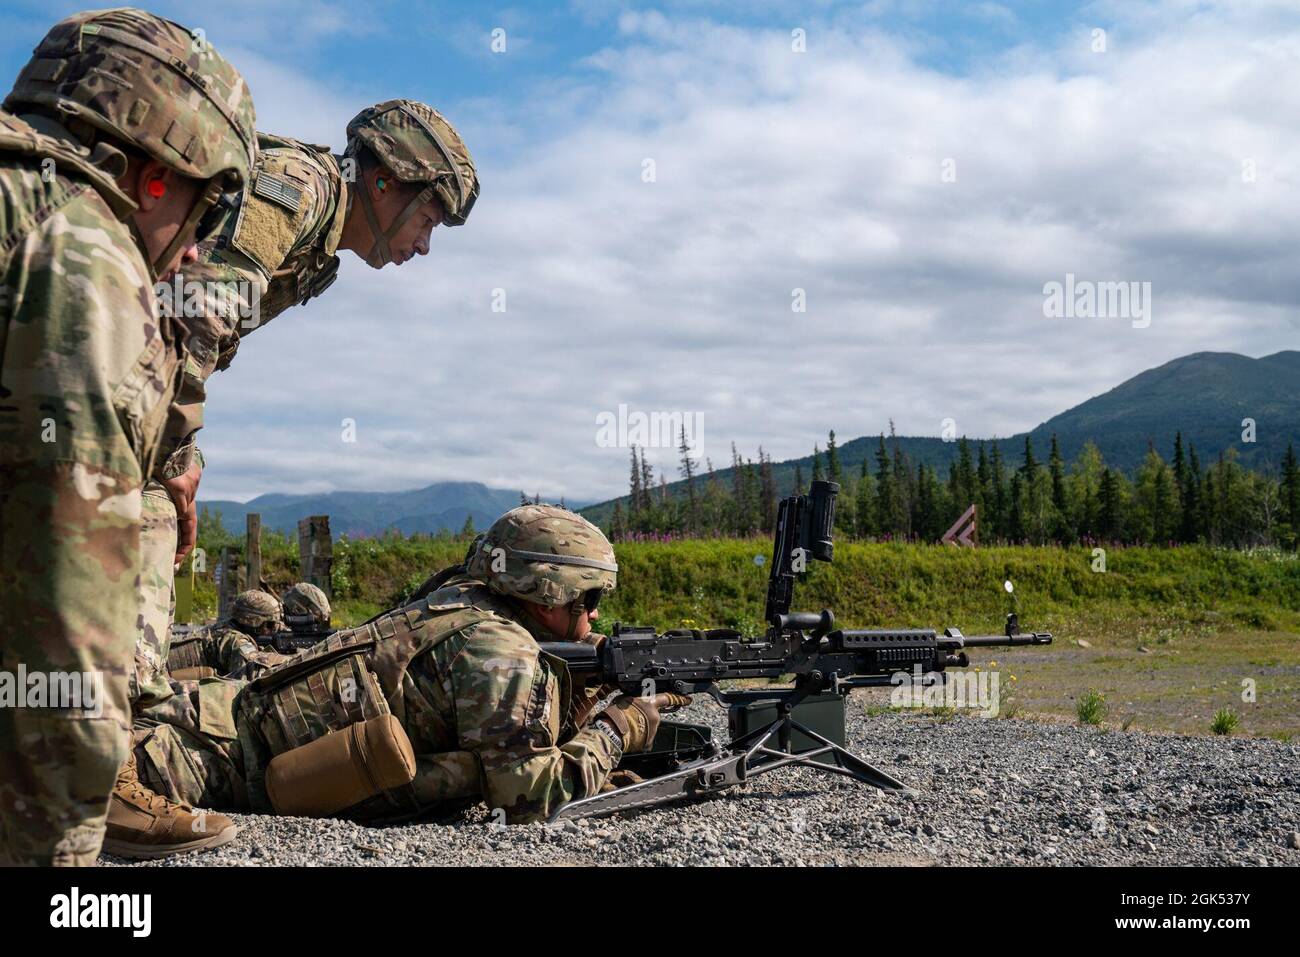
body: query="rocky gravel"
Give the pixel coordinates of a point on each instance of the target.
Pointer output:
(1003, 792)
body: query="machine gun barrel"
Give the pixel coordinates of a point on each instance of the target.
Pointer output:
(1007, 641)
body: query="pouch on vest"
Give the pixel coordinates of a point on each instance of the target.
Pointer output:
(217, 707)
(342, 769)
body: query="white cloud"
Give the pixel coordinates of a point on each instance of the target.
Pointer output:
(777, 170)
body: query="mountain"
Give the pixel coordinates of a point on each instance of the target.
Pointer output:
(1206, 395)
(431, 509)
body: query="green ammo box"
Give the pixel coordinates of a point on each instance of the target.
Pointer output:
(823, 714)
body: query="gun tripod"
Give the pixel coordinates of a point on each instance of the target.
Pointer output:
(748, 754)
(825, 755)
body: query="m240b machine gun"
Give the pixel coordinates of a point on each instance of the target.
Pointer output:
(799, 724)
(302, 631)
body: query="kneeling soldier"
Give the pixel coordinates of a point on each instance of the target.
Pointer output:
(427, 708)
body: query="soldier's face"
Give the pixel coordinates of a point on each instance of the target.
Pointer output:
(556, 620)
(165, 199)
(413, 238)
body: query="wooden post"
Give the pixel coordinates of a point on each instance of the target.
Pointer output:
(229, 583)
(253, 549)
(304, 549)
(224, 593)
(316, 552)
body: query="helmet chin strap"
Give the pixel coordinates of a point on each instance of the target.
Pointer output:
(208, 199)
(575, 616)
(382, 236)
(576, 611)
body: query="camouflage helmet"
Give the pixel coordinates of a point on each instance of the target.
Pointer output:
(151, 84)
(544, 554)
(254, 608)
(306, 600)
(417, 143)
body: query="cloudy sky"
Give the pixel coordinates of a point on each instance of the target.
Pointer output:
(663, 184)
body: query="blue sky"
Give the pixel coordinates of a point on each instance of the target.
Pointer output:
(441, 51)
(919, 171)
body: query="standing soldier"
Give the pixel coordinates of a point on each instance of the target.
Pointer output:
(116, 144)
(405, 170)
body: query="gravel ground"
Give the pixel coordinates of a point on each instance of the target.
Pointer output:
(988, 792)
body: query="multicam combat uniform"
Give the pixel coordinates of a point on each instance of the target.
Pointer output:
(87, 373)
(220, 650)
(229, 649)
(277, 249)
(489, 715)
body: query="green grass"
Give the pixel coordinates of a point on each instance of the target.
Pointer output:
(1091, 707)
(1225, 721)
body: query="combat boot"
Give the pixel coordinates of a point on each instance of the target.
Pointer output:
(143, 824)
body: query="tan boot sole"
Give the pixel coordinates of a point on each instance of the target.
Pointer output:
(150, 852)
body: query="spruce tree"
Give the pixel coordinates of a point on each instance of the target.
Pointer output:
(1290, 491)
(1192, 527)
(922, 504)
(687, 471)
(864, 511)
(767, 492)
(647, 482)
(634, 488)
(1180, 482)
(715, 498)
(884, 490)
(1030, 465)
(903, 487)
(1015, 520)
(998, 498)
(1110, 521)
(833, 460)
(1061, 531)
(739, 516)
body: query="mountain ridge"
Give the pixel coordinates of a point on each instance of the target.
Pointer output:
(359, 514)
(1205, 395)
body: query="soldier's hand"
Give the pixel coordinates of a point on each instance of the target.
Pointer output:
(636, 719)
(667, 701)
(183, 490)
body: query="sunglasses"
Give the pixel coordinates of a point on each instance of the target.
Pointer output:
(591, 598)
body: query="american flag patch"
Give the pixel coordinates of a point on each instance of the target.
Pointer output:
(272, 187)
